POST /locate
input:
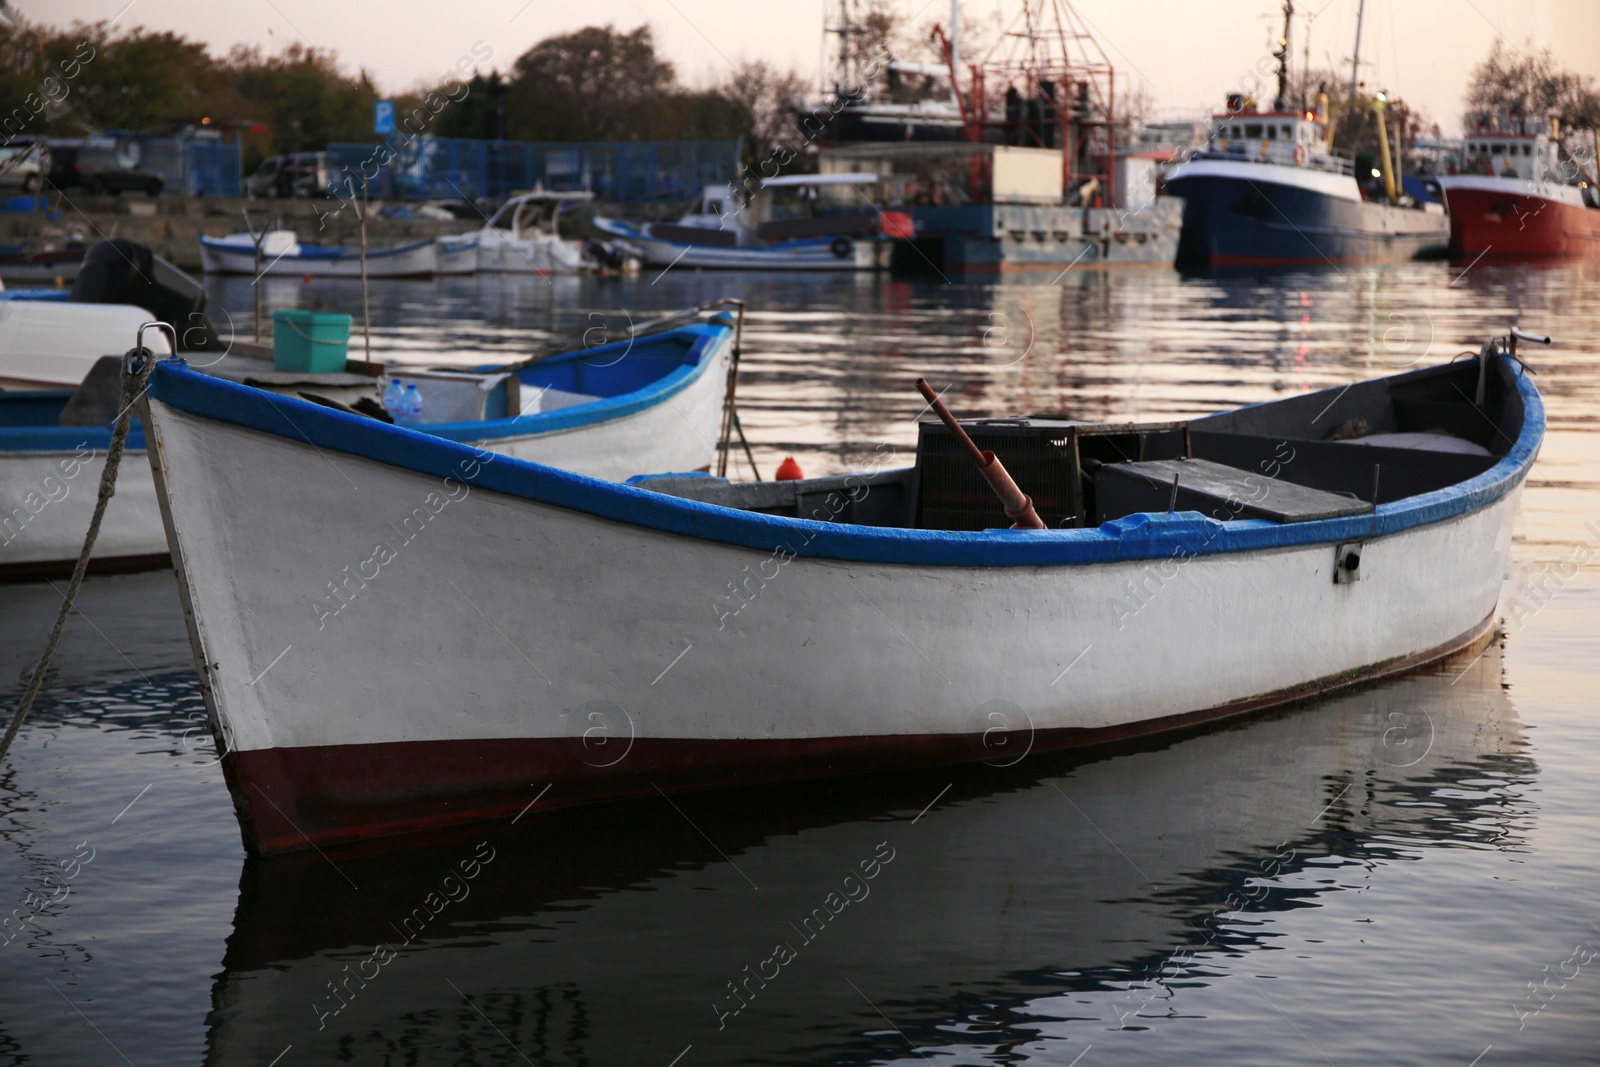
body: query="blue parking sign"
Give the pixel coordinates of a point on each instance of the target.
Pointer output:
(383, 116)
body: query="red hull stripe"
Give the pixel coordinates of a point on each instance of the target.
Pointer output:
(290, 799)
(62, 568)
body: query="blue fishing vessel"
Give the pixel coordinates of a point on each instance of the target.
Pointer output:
(1269, 190)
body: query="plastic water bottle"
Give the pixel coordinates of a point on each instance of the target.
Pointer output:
(394, 398)
(411, 406)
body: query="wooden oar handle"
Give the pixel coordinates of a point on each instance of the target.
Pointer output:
(1018, 506)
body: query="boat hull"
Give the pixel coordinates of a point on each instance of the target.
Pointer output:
(1513, 217)
(49, 266)
(50, 498)
(416, 260)
(809, 255)
(1020, 238)
(1265, 215)
(678, 662)
(501, 254)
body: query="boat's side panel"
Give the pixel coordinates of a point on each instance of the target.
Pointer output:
(46, 342)
(1242, 221)
(501, 254)
(645, 653)
(407, 261)
(1514, 220)
(861, 254)
(677, 434)
(48, 498)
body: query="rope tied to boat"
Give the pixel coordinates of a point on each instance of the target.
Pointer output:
(136, 367)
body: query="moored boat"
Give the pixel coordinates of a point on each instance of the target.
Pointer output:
(1515, 196)
(711, 633)
(651, 403)
(284, 255)
(793, 222)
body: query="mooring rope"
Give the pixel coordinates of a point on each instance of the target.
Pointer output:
(136, 367)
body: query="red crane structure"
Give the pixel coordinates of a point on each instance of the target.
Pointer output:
(1046, 83)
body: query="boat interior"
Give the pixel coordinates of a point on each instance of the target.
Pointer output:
(1318, 455)
(449, 397)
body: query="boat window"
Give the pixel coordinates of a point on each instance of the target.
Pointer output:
(1287, 133)
(1527, 149)
(1272, 133)
(1253, 130)
(1498, 149)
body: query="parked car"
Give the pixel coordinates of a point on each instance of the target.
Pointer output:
(299, 174)
(23, 164)
(100, 170)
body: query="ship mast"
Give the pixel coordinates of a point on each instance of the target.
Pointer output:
(1282, 56)
(1355, 57)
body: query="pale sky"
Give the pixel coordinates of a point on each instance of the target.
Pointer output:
(1187, 53)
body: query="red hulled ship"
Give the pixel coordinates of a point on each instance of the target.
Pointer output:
(1517, 196)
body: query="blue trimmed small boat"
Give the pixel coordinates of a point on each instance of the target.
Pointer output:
(652, 403)
(285, 255)
(465, 633)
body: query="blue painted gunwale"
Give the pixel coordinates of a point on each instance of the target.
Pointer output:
(317, 253)
(1136, 537)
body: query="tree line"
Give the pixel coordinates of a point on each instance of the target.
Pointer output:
(595, 84)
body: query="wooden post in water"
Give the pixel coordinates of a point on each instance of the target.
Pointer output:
(366, 305)
(255, 283)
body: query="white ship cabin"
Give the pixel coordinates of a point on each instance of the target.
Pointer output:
(1291, 138)
(1510, 155)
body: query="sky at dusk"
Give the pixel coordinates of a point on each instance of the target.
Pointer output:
(1185, 53)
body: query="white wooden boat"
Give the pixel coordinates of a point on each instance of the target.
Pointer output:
(236, 254)
(611, 411)
(782, 228)
(524, 237)
(465, 629)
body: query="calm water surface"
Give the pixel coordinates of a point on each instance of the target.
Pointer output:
(1374, 878)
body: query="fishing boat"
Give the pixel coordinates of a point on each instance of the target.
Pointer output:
(794, 222)
(605, 640)
(524, 237)
(650, 403)
(282, 254)
(1515, 196)
(1270, 190)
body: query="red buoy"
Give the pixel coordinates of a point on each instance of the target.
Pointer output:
(788, 471)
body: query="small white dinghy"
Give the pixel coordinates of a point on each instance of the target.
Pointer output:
(282, 254)
(464, 630)
(650, 403)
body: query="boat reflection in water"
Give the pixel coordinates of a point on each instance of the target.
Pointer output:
(771, 925)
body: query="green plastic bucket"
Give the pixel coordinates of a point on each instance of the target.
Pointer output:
(310, 342)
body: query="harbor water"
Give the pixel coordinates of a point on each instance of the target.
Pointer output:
(1404, 873)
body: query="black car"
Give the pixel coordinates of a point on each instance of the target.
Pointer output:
(99, 170)
(301, 174)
